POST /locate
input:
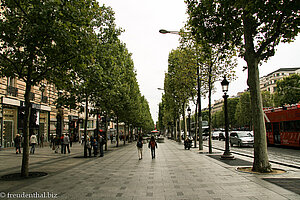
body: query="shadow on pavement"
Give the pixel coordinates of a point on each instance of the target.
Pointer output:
(291, 184)
(235, 162)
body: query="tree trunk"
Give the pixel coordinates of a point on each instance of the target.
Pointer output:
(196, 125)
(179, 138)
(106, 130)
(25, 158)
(184, 122)
(199, 111)
(261, 160)
(175, 127)
(124, 137)
(209, 109)
(85, 125)
(117, 138)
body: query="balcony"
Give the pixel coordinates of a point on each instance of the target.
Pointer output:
(12, 91)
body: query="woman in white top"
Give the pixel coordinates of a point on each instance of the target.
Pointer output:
(33, 141)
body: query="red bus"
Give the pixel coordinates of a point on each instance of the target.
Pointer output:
(283, 125)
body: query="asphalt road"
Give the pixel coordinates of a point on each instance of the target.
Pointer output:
(285, 155)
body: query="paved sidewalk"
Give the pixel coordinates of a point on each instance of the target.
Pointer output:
(175, 174)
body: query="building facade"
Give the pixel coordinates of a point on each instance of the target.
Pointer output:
(268, 82)
(46, 120)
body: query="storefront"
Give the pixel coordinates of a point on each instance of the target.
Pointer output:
(12, 121)
(73, 128)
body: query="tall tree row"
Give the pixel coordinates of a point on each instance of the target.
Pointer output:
(73, 45)
(255, 28)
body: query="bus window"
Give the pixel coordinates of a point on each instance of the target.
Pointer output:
(268, 127)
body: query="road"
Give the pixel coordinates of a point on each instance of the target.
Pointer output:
(285, 155)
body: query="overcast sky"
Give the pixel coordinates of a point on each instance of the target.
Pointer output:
(142, 19)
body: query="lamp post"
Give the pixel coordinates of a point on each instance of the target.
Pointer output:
(189, 113)
(227, 154)
(163, 31)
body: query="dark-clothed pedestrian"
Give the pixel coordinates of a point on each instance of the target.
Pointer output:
(56, 144)
(95, 146)
(102, 141)
(42, 141)
(152, 145)
(66, 143)
(33, 141)
(62, 143)
(139, 146)
(17, 141)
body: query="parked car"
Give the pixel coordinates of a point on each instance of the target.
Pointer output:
(215, 135)
(221, 136)
(242, 138)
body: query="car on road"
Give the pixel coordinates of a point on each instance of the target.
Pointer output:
(221, 136)
(241, 138)
(215, 135)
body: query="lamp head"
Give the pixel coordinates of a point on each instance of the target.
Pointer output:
(163, 31)
(189, 110)
(225, 85)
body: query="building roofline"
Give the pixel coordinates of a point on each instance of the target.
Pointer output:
(282, 69)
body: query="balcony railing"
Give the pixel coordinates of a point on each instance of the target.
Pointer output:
(12, 91)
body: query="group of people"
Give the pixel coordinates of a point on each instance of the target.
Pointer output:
(64, 142)
(18, 140)
(95, 143)
(151, 145)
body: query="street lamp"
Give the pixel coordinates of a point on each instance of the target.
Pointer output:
(189, 113)
(227, 154)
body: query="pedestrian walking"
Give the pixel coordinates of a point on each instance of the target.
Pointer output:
(139, 146)
(42, 141)
(17, 141)
(89, 146)
(82, 139)
(62, 143)
(56, 144)
(152, 145)
(33, 141)
(66, 143)
(102, 141)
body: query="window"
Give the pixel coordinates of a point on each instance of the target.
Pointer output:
(11, 89)
(291, 126)
(10, 82)
(268, 127)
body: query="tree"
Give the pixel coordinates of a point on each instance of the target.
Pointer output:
(288, 90)
(181, 79)
(243, 113)
(88, 78)
(267, 99)
(40, 38)
(255, 28)
(232, 104)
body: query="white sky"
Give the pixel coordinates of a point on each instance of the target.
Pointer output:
(142, 19)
